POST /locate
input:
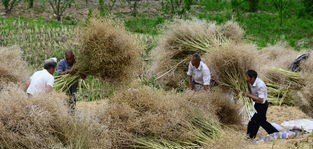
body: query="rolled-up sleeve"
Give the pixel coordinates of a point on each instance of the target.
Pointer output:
(189, 72)
(206, 77)
(262, 93)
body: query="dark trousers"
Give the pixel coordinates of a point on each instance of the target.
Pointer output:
(72, 94)
(259, 119)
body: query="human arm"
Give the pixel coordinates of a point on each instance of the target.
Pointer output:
(189, 73)
(27, 83)
(206, 79)
(255, 98)
(62, 68)
(66, 72)
(261, 95)
(50, 83)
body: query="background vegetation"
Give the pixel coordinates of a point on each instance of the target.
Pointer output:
(45, 28)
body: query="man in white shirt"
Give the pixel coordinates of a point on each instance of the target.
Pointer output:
(199, 74)
(42, 81)
(258, 93)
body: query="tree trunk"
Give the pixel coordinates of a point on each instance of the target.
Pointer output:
(59, 17)
(253, 5)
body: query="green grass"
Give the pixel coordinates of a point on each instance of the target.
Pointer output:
(144, 24)
(269, 25)
(266, 29)
(39, 39)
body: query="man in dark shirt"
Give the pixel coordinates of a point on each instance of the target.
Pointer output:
(65, 67)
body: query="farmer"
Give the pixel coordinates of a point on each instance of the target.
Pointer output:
(258, 93)
(199, 74)
(65, 67)
(42, 81)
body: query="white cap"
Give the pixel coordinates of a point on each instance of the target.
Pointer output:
(53, 59)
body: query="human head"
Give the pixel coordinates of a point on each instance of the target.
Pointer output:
(195, 60)
(69, 57)
(50, 66)
(251, 76)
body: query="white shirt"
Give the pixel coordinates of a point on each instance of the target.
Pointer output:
(39, 82)
(201, 74)
(259, 89)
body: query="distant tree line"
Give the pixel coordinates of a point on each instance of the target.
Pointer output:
(169, 7)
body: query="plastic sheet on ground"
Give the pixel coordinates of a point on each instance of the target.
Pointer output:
(305, 124)
(279, 135)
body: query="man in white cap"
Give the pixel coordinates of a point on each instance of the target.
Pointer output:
(42, 81)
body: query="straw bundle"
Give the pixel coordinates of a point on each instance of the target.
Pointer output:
(230, 63)
(306, 67)
(148, 118)
(279, 94)
(233, 31)
(285, 78)
(279, 55)
(306, 94)
(12, 66)
(220, 103)
(107, 51)
(42, 122)
(183, 38)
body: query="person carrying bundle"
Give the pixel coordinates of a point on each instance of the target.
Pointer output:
(199, 74)
(65, 67)
(42, 81)
(258, 93)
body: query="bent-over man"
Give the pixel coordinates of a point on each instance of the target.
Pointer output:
(42, 81)
(65, 67)
(199, 74)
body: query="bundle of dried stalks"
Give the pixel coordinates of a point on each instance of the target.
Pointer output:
(12, 67)
(306, 94)
(229, 64)
(107, 51)
(306, 67)
(285, 78)
(279, 55)
(233, 31)
(43, 122)
(183, 38)
(142, 116)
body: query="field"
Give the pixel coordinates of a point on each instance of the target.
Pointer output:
(135, 55)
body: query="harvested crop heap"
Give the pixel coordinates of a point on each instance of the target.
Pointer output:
(229, 64)
(148, 118)
(12, 66)
(44, 122)
(183, 38)
(107, 51)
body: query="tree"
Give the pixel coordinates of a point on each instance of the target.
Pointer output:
(253, 5)
(59, 7)
(176, 7)
(308, 4)
(9, 5)
(134, 6)
(30, 3)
